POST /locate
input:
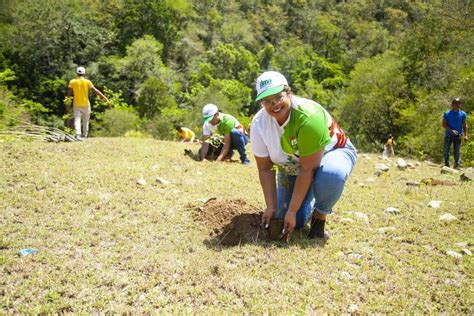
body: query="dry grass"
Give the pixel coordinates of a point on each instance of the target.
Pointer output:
(108, 244)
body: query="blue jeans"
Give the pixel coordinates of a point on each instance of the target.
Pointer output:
(456, 141)
(238, 140)
(326, 188)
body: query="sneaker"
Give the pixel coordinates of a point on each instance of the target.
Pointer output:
(317, 228)
(246, 162)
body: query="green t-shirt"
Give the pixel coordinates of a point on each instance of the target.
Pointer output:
(306, 132)
(227, 123)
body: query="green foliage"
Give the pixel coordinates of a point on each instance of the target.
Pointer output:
(372, 105)
(181, 54)
(162, 126)
(153, 96)
(467, 154)
(162, 19)
(116, 122)
(6, 76)
(309, 75)
(228, 61)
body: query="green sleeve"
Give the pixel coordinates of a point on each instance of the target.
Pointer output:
(313, 134)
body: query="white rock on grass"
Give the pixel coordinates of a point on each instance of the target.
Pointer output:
(401, 164)
(434, 204)
(384, 230)
(462, 244)
(467, 251)
(452, 282)
(454, 254)
(205, 200)
(162, 180)
(449, 170)
(141, 181)
(392, 210)
(154, 167)
(361, 217)
(382, 167)
(370, 180)
(354, 256)
(353, 308)
(446, 217)
(346, 275)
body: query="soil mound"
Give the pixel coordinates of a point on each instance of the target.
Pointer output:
(231, 222)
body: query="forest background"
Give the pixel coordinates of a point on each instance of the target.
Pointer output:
(380, 67)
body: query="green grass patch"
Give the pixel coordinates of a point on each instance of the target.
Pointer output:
(108, 244)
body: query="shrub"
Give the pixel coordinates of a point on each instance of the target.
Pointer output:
(116, 122)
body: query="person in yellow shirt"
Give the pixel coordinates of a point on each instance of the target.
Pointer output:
(78, 90)
(388, 149)
(185, 133)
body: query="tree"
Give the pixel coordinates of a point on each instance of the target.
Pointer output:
(372, 105)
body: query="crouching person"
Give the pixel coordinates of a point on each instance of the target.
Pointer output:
(235, 137)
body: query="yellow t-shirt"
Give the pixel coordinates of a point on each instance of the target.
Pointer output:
(186, 133)
(80, 86)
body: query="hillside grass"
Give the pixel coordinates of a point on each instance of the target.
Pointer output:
(108, 244)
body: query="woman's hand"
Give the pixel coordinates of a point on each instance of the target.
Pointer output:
(289, 223)
(267, 215)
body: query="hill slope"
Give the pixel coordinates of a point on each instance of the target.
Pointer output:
(107, 243)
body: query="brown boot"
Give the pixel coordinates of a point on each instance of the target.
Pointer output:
(317, 228)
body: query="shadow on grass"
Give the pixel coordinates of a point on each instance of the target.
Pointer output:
(246, 229)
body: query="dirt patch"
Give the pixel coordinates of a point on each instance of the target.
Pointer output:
(231, 222)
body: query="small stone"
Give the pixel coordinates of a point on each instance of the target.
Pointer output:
(370, 180)
(382, 167)
(467, 251)
(392, 210)
(452, 282)
(384, 230)
(462, 244)
(346, 275)
(413, 183)
(141, 181)
(355, 256)
(353, 308)
(446, 217)
(467, 176)
(362, 217)
(454, 254)
(401, 164)
(205, 200)
(341, 254)
(434, 204)
(162, 181)
(154, 167)
(448, 170)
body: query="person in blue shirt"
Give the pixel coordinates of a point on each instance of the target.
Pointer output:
(454, 122)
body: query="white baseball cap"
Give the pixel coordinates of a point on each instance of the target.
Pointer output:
(208, 112)
(81, 70)
(268, 83)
